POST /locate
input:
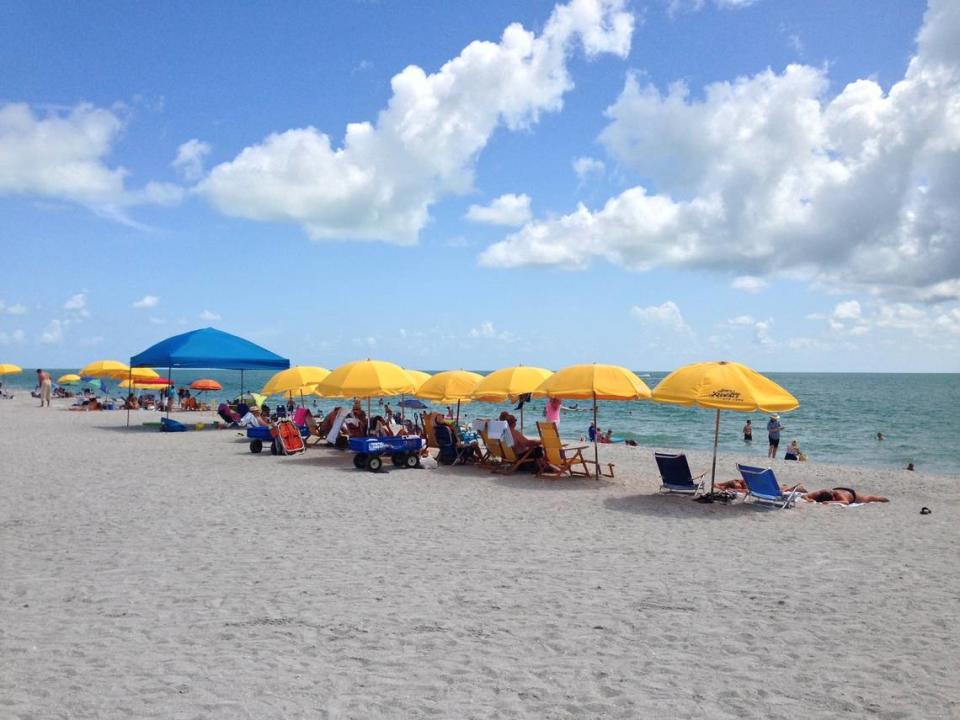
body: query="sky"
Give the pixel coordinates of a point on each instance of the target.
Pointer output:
(445, 184)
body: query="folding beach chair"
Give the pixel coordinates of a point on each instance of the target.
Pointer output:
(320, 431)
(675, 474)
(429, 421)
(564, 457)
(763, 487)
(511, 461)
(452, 450)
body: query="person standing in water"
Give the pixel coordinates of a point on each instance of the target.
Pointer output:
(774, 428)
(748, 432)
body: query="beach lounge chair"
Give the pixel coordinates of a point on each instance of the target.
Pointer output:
(511, 460)
(320, 431)
(763, 487)
(429, 422)
(569, 460)
(452, 450)
(675, 475)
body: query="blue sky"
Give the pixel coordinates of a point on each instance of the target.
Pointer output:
(645, 183)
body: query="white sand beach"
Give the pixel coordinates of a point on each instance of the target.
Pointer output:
(150, 575)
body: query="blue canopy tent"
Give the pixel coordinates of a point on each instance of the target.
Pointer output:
(208, 348)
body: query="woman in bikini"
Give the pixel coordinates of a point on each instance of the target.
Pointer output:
(842, 496)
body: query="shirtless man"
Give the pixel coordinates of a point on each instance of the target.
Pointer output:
(46, 386)
(842, 496)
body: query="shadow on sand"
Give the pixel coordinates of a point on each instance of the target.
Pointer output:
(678, 506)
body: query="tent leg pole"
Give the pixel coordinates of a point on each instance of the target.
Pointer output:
(241, 386)
(716, 439)
(169, 380)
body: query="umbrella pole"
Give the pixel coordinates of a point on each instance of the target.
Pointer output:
(241, 386)
(169, 381)
(130, 387)
(521, 416)
(716, 438)
(458, 415)
(596, 438)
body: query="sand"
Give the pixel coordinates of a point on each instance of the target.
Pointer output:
(149, 575)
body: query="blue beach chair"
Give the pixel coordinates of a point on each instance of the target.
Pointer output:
(675, 474)
(763, 487)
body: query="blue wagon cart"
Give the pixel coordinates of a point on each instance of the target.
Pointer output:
(404, 451)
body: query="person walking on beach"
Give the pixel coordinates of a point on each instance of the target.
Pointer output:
(46, 386)
(748, 432)
(774, 428)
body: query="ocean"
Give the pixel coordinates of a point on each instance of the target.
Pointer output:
(838, 419)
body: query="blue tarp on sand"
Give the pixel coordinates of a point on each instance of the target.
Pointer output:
(209, 348)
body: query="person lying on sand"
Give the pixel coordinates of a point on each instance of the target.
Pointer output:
(842, 496)
(739, 486)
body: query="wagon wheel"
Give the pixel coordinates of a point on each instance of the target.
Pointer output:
(256, 446)
(374, 463)
(412, 461)
(360, 461)
(274, 450)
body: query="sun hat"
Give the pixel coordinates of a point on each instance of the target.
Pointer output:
(775, 416)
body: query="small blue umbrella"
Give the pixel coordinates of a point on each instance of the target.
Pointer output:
(413, 404)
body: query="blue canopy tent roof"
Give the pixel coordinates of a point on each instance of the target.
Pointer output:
(209, 348)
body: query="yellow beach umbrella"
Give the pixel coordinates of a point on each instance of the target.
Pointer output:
(143, 373)
(594, 382)
(723, 386)
(366, 379)
(9, 369)
(507, 384)
(450, 386)
(145, 383)
(298, 379)
(105, 368)
(68, 379)
(418, 376)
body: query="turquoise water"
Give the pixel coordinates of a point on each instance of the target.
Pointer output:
(839, 417)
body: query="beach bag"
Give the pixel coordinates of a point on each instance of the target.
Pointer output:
(168, 425)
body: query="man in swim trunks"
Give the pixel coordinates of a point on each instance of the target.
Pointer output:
(748, 432)
(842, 496)
(774, 428)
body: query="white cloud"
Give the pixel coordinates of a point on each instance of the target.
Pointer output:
(766, 172)
(667, 315)
(53, 334)
(742, 320)
(505, 210)
(147, 301)
(488, 331)
(77, 305)
(208, 315)
(749, 283)
(61, 154)
(380, 183)
(675, 7)
(157, 320)
(15, 309)
(587, 167)
(189, 160)
(847, 310)
(12, 338)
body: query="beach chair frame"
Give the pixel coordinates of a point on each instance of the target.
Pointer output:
(565, 457)
(760, 486)
(694, 483)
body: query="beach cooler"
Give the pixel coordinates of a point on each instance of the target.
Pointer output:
(404, 451)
